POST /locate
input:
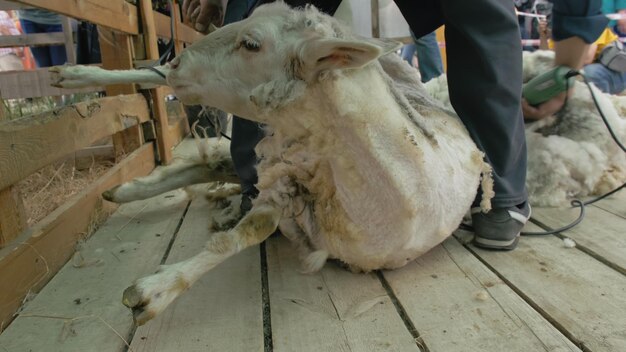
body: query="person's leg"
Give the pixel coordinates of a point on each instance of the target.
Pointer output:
(429, 57)
(40, 53)
(57, 53)
(620, 83)
(600, 76)
(407, 53)
(485, 81)
(245, 136)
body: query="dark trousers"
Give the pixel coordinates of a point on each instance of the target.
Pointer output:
(245, 134)
(45, 56)
(485, 80)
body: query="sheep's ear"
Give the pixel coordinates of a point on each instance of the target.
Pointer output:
(328, 54)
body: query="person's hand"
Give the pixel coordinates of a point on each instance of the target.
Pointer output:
(544, 30)
(544, 34)
(545, 109)
(202, 13)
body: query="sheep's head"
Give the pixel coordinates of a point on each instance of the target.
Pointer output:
(267, 60)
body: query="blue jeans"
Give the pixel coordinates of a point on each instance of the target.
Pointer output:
(407, 53)
(428, 56)
(605, 79)
(45, 56)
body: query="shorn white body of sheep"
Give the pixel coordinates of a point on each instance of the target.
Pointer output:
(570, 154)
(356, 166)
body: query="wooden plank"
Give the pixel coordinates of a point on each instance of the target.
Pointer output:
(332, 310)
(35, 39)
(179, 130)
(221, 312)
(6, 5)
(375, 18)
(37, 254)
(582, 296)
(115, 14)
(116, 50)
(457, 304)
(179, 30)
(601, 232)
(130, 244)
(32, 84)
(159, 110)
(148, 24)
(164, 140)
(68, 40)
(12, 212)
(84, 159)
(28, 144)
(127, 141)
(182, 31)
(12, 215)
(615, 204)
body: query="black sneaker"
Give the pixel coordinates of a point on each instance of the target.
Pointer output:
(499, 228)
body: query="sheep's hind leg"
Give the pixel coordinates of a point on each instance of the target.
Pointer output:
(179, 174)
(150, 295)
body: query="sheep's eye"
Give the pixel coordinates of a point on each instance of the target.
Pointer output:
(250, 45)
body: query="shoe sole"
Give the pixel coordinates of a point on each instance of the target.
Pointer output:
(495, 244)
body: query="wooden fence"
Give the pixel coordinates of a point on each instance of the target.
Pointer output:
(30, 257)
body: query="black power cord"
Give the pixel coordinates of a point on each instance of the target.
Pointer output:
(578, 202)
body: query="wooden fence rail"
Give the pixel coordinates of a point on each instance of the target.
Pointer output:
(32, 256)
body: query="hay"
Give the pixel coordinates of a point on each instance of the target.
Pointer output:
(50, 187)
(68, 330)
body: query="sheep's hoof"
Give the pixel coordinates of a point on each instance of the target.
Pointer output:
(149, 296)
(133, 299)
(110, 194)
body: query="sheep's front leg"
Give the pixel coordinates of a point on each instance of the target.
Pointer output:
(179, 174)
(150, 295)
(91, 76)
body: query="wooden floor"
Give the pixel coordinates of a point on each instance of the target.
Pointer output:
(543, 296)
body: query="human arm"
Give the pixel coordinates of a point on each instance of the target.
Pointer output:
(576, 24)
(544, 35)
(202, 13)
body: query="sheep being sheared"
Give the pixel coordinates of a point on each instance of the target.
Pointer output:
(570, 154)
(355, 166)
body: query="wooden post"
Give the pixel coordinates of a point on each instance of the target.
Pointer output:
(12, 213)
(178, 21)
(117, 53)
(164, 142)
(375, 19)
(69, 40)
(127, 141)
(116, 50)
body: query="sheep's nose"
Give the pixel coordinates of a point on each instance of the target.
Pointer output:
(175, 63)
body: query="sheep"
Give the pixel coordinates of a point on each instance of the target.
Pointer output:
(355, 165)
(571, 154)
